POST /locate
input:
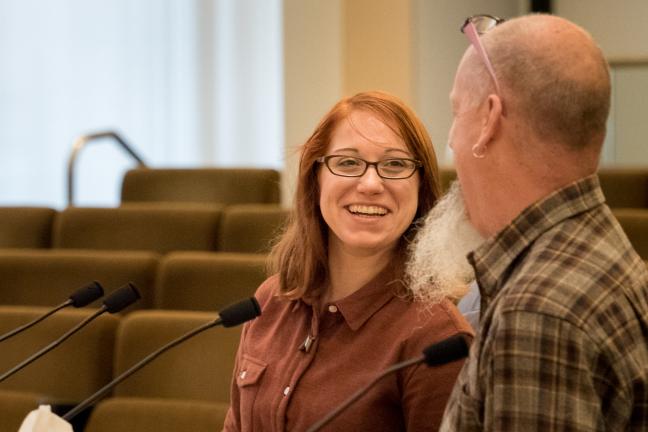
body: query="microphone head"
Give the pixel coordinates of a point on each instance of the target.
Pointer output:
(240, 312)
(446, 351)
(87, 294)
(121, 298)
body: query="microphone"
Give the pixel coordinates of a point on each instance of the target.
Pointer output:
(231, 316)
(446, 351)
(79, 298)
(115, 302)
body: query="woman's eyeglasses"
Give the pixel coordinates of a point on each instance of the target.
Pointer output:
(349, 166)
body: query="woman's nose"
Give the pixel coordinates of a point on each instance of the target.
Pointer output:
(371, 182)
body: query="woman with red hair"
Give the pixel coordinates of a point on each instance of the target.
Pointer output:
(337, 311)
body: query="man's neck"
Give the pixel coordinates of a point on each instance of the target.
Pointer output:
(525, 184)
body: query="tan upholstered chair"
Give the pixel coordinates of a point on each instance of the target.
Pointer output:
(14, 406)
(199, 369)
(635, 224)
(446, 175)
(207, 280)
(47, 277)
(159, 229)
(625, 187)
(206, 185)
(26, 227)
(250, 228)
(69, 373)
(156, 415)
(184, 389)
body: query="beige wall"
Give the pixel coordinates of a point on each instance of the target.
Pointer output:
(378, 47)
(440, 46)
(411, 48)
(313, 66)
(619, 26)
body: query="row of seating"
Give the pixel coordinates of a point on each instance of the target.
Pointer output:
(247, 228)
(158, 228)
(623, 187)
(190, 383)
(178, 280)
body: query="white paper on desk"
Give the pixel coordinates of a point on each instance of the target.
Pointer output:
(44, 420)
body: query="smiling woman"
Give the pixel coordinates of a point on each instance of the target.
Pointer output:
(337, 310)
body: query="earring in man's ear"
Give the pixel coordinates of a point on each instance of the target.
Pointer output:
(479, 151)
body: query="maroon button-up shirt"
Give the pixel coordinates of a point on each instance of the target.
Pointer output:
(298, 361)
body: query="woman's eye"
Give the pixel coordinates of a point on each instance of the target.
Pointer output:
(395, 163)
(348, 162)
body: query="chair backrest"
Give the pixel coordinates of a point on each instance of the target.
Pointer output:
(625, 187)
(69, 373)
(48, 277)
(26, 227)
(446, 175)
(207, 185)
(160, 228)
(250, 228)
(622, 187)
(14, 407)
(200, 369)
(207, 280)
(155, 415)
(635, 224)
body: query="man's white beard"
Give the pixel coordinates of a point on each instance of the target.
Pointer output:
(437, 266)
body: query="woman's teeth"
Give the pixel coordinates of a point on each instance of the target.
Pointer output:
(367, 210)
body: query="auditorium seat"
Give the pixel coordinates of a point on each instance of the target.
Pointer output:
(185, 389)
(446, 176)
(26, 227)
(622, 187)
(199, 369)
(251, 228)
(69, 373)
(635, 224)
(159, 229)
(156, 415)
(47, 277)
(207, 280)
(14, 406)
(207, 185)
(625, 187)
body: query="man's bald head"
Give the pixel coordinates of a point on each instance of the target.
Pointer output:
(553, 77)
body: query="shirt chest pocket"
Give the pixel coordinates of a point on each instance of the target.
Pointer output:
(248, 381)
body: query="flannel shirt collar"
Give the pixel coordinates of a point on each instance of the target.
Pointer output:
(492, 260)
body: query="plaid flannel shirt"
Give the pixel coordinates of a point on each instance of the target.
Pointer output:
(563, 344)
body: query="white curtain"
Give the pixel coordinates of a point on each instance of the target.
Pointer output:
(186, 82)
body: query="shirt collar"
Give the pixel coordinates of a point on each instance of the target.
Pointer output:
(494, 257)
(361, 305)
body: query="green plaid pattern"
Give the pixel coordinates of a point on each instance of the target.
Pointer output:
(563, 344)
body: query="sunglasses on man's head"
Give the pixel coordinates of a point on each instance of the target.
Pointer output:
(477, 25)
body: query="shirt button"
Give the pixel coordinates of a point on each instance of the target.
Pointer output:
(243, 374)
(286, 391)
(332, 308)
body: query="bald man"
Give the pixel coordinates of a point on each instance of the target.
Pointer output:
(564, 297)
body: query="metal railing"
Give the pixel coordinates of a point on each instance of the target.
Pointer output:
(80, 143)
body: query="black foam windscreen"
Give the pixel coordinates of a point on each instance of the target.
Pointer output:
(87, 294)
(240, 312)
(446, 351)
(121, 298)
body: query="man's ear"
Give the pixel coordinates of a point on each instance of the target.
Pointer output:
(491, 120)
